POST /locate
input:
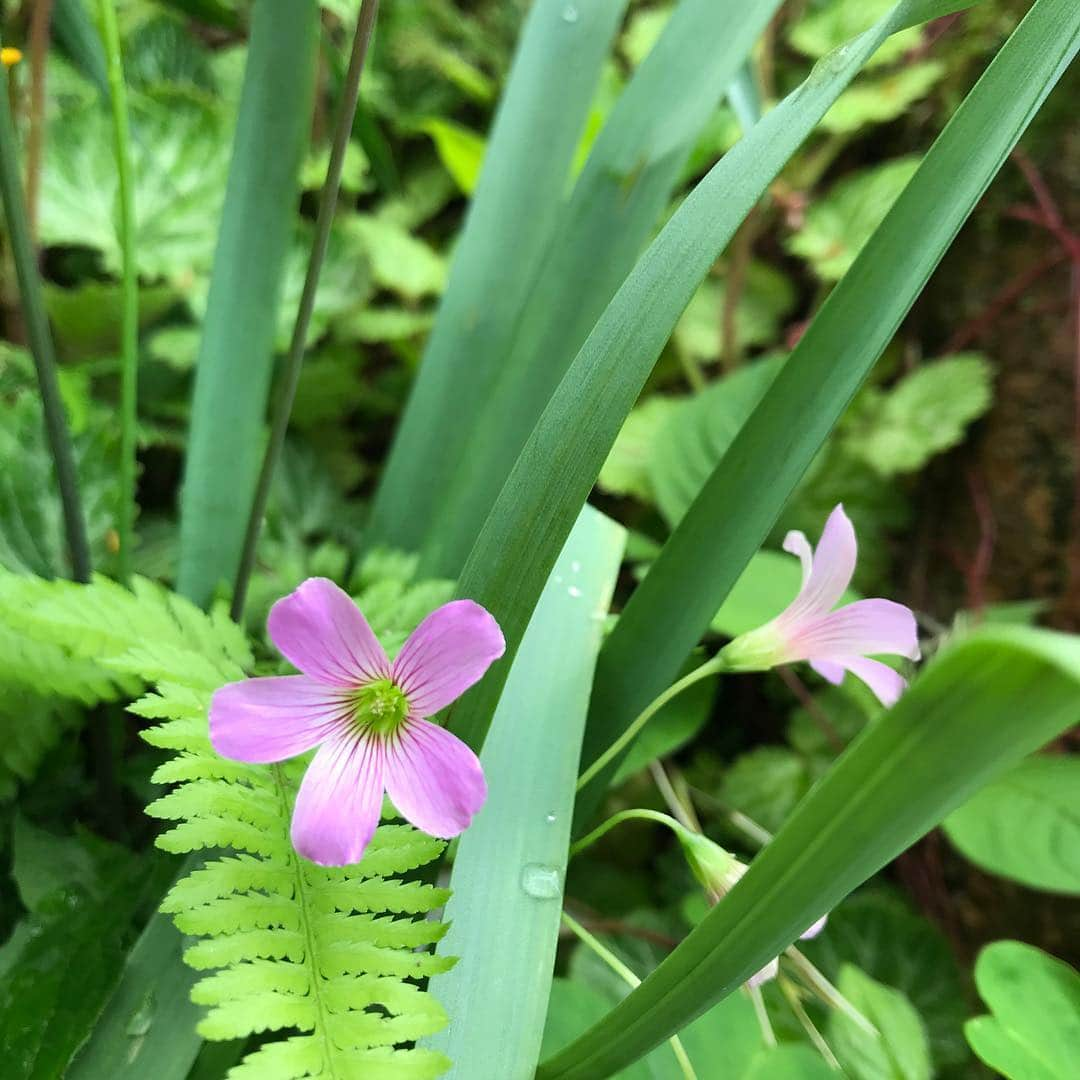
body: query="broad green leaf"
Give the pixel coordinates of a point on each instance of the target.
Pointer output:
(898, 430)
(839, 224)
(827, 26)
(1034, 1030)
(459, 149)
(1026, 825)
(878, 932)
(232, 381)
(698, 432)
(789, 1062)
(399, 261)
(671, 609)
(179, 157)
(901, 1052)
(979, 707)
(884, 98)
(626, 471)
(765, 784)
(508, 874)
(530, 150)
(624, 188)
(766, 298)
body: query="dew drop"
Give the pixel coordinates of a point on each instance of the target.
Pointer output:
(541, 882)
(550, 819)
(575, 566)
(570, 13)
(574, 591)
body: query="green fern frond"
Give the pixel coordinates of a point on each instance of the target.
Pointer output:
(30, 726)
(338, 954)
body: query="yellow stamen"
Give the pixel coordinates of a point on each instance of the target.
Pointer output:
(10, 56)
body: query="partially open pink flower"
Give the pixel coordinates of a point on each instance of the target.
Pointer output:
(367, 715)
(833, 641)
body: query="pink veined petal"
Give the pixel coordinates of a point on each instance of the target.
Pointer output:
(263, 720)
(339, 801)
(795, 543)
(766, 974)
(448, 652)
(321, 632)
(831, 570)
(434, 779)
(829, 671)
(860, 629)
(886, 684)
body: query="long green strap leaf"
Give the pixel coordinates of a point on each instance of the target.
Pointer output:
(557, 467)
(685, 587)
(627, 182)
(507, 232)
(979, 708)
(510, 865)
(237, 352)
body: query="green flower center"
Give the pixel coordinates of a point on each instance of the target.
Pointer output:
(381, 708)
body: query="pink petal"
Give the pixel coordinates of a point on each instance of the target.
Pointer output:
(321, 632)
(434, 779)
(829, 671)
(339, 801)
(831, 570)
(863, 628)
(886, 684)
(815, 929)
(795, 543)
(448, 652)
(262, 720)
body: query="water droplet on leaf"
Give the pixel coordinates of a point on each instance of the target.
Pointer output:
(570, 13)
(542, 882)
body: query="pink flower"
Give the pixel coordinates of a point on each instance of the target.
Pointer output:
(367, 715)
(833, 641)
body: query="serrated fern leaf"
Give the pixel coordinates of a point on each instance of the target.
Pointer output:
(30, 726)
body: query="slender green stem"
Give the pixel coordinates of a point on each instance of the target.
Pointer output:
(129, 372)
(624, 973)
(710, 667)
(679, 806)
(818, 984)
(365, 23)
(768, 1036)
(791, 993)
(618, 819)
(41, 343)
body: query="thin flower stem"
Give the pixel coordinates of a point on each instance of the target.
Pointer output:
(768, 1036)
(129, 372)
(675, 804)
(791, 993)
(40, 16)
(624, 973)
(818, 984)
(750, 828)
(41, 343)
(710, 667)
(283, 403)
(618, 819)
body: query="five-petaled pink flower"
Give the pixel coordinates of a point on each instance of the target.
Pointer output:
(833, 641)
(368, 716)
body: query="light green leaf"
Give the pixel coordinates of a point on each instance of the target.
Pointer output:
(399, 261)
(699, 430)
(1026, 825)
(459, 149)
(829, 25)
(626, 471)
(901, 1052)
(837, 226)
(1034, 1030)
(878, 100)
(510, 866)
(898, 430)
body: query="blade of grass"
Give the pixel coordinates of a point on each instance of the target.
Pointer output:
(129, 370)
(979, 707)
(627, 182)
(509, 869)
(685, 587)
(523, 181)
(236, 355)
(40, 338)
(557, 467)
(290, 378)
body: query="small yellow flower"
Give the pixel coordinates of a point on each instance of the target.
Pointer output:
(9, 56)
